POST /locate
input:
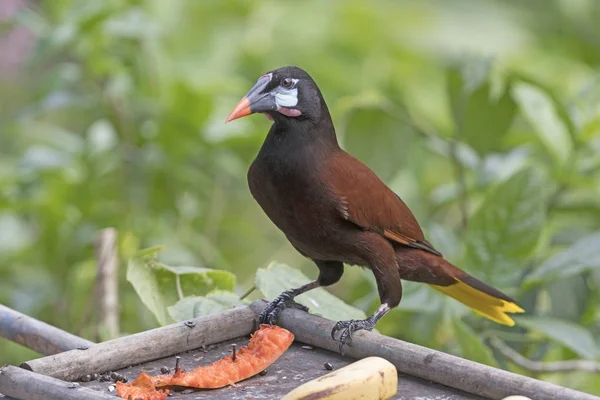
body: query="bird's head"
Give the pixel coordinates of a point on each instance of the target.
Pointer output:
(282, 94)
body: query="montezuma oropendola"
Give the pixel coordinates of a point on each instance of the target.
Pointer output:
(334, 210)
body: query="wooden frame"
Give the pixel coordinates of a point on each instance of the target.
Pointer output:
(145, 346)
(408, 358)
(35, 334)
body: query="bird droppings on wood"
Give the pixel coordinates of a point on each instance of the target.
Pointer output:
(204, 348)
(307, 347)
(429, 358)
(117, 377)
(190, 324)
(73, 385)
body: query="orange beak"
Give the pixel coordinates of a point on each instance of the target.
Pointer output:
(241, 110)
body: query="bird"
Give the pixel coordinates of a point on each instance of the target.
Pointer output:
(334, 210)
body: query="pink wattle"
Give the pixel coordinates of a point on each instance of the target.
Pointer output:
(290, 112)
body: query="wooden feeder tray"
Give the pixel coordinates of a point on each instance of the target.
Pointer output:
(423, 373)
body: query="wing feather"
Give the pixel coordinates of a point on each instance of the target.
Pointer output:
(366, 201)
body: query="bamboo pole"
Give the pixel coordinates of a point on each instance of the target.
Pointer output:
(146, 346)
(414, 360)
(37, 335)
(22, 384)
(108, 281)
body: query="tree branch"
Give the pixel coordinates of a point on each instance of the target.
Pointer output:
(539, 366)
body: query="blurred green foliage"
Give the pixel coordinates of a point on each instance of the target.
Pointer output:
(483, 115)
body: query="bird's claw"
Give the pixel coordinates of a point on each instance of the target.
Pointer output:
(349, 327)
(274, 308)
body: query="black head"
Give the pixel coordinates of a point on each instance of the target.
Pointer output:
(283, 94)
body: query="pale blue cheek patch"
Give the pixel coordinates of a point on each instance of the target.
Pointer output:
(286, 98)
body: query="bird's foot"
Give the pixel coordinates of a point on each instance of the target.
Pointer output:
(274, 308)
(348, 327)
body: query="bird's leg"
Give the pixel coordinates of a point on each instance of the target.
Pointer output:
(348, 327)
(283, 301)
(389, 285)
(329, 273)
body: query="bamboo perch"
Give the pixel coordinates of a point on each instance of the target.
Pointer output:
(422, 362)
(108, 281)
(22, 384)
(37, 335)
(146, 346)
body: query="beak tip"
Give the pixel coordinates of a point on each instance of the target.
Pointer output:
(241, 110)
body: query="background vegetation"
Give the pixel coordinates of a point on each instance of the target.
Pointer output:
(483, 115)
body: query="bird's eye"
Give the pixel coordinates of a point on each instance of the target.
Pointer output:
(287, 83)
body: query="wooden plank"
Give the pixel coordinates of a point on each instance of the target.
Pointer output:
(37, 335)
(145, 346)
(26, 385)
(422, 362)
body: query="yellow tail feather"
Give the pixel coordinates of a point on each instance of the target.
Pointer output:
(482, 303)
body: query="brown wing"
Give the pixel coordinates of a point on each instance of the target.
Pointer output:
(367, 202)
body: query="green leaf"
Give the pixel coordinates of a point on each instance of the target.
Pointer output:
(390, 141)
(160, 286)
(570, 297)
(192, 307)
(473, 348)
(226, 298)
(276, 278)
(569, 334)
(504, 231)
(150, 251)
(198, 306)
(543, 116)
(487, 119)
(145, 283)
(481, 120)
(195, 280)
(582, 256)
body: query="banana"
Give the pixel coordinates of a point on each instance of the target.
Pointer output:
(516, 397)
(370, 378)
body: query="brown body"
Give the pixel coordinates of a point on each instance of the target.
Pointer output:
(333, 208)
